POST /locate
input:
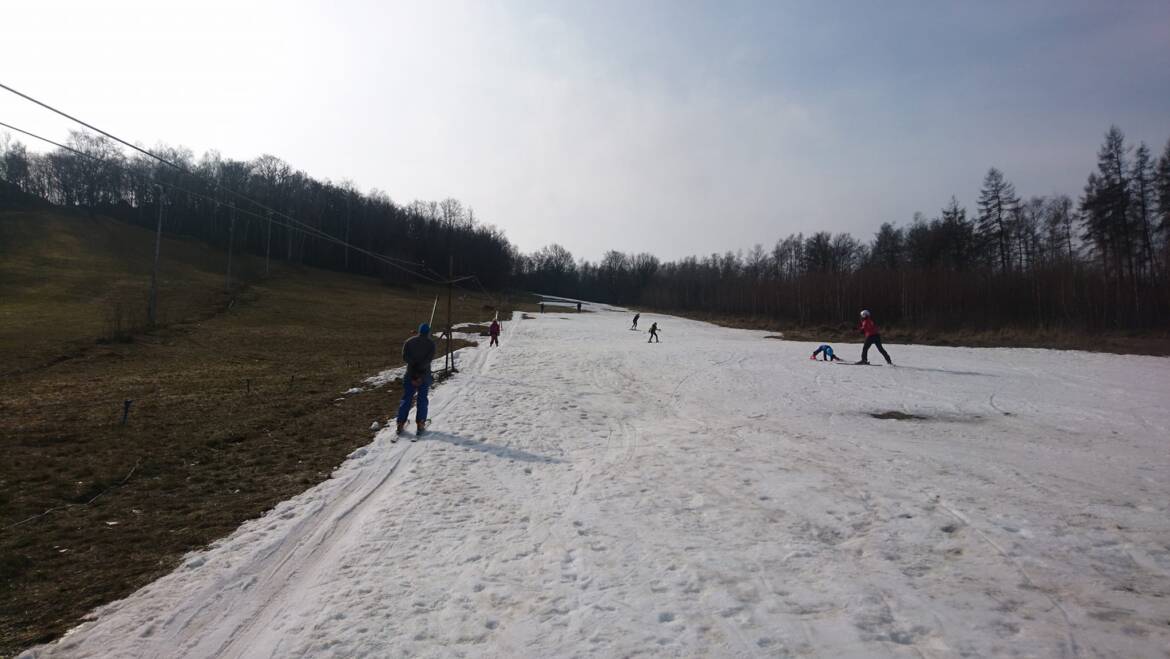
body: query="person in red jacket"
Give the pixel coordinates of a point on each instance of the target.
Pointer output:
(872, 338)
(494, 332)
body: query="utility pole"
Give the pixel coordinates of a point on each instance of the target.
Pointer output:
(152, 309)
(268, 248)
(450, 288)
(288, 232)
(231, 245)
(348, 195)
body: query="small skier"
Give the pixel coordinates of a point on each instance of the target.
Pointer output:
(494, 332)
(418, 352)
(542, 306)
(654, 334)
(826, 351)
(578, 307)
(872, 338)
(636, 317)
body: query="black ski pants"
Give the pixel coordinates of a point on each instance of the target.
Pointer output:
(876, 341)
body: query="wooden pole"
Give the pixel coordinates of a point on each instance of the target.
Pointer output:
(268, 248)
(152, 309)
(231, 245)
(450, 288)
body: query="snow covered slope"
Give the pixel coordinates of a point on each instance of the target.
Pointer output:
(585, 493)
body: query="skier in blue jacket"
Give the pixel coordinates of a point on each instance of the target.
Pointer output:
(826, 351)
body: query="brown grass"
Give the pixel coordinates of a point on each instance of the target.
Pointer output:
(233, 411)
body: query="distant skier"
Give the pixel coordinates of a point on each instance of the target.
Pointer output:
(826, 351)
(418, 352)
(494, 332)
(872, 338)
(636, 317)
(578, 307)
(654, 334)
(542, 306)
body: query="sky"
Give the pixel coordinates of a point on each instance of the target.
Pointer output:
(669, 127)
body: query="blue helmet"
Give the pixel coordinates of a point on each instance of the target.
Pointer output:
(424, 329)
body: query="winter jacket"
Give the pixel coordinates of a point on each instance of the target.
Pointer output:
(868, 327)
(418, 352)
(494, 330)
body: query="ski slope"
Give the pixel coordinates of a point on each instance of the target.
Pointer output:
(584, 493)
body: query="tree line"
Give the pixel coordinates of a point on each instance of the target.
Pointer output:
(422, 236)
(1098, 262)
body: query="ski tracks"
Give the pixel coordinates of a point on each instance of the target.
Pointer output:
(583, 493)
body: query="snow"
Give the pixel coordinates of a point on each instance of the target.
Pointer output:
(718, 494)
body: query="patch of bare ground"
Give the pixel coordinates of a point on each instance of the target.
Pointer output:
(235, 407)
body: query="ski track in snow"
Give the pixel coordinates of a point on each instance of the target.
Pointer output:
(584, 493)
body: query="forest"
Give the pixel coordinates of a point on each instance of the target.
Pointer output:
(264, 207)
(1098, 262)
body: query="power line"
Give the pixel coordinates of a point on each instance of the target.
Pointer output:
(171, 185)
(305, 229)
(45, 139)
(93, 128)
(188, 172)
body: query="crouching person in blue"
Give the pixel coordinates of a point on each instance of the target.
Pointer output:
(418, 352)
(826, 351)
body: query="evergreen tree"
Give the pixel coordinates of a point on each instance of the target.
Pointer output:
(818, 252)
(1142, 178)
(1110, 203)
(1095, 228)
(1058, 221)
(997, 204)
(957, 236)
(1162, 193)
(921, 251)
(888, 250)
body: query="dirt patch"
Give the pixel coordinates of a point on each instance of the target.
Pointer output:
(233, 411)
(481, 330)
(897, 416)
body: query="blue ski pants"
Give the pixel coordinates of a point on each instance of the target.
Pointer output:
(408, 392)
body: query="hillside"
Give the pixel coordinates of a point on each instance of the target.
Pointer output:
(68, 280)
(236, 406)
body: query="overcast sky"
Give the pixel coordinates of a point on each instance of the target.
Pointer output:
(670, 127)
